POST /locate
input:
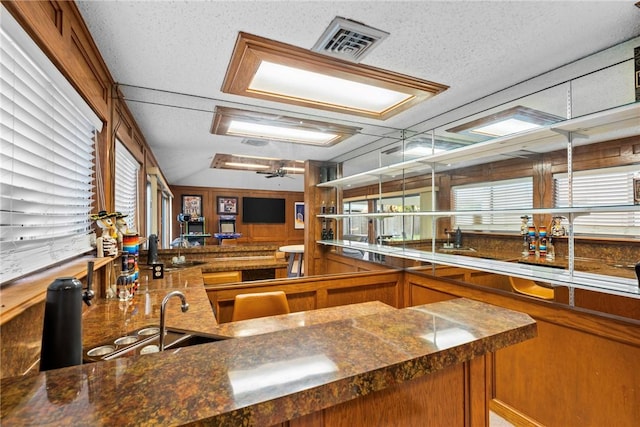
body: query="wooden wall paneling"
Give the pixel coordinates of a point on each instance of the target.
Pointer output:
(337, 263)
(57, 27)
(593, 378)
(436, 399)
(280, 234)
(581, 359)
(311, 292)
(419, 295)
(315, 255)
(616, 305)
(617, 152)
(383, 292)
(478, 387)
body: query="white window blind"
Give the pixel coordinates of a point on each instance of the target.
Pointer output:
(492, 196)
(600, 187)
(126, 185)
(46, 160)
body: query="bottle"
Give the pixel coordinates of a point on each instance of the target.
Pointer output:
(532, 240)
(542, 242)
(458, 239)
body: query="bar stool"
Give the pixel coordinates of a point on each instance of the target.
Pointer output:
(250, 306)
(296, 259)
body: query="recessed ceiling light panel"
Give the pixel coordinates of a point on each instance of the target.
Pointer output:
(507, 122)
(256, 163)
(294, 83)
(275, 71)
(257, 125)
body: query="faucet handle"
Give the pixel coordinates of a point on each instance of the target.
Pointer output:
(88, 294)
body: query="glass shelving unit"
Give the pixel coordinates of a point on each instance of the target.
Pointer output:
(614, 123)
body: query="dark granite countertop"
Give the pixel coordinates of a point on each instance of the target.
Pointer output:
(263, 325)
(268, 378)
(111, 318)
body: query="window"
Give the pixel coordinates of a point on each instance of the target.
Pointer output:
(126, 185)
(355, 228)
(600, 187)
(492, 196)
(166, 219)
(47, 152)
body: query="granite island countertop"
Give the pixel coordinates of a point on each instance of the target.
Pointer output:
(268, 378)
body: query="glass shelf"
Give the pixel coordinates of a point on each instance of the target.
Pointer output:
(618, 122)
(568, 212)
(556, 277)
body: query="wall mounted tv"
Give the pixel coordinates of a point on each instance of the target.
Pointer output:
(262, 210)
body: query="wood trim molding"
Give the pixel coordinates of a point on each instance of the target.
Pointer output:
(250, 50)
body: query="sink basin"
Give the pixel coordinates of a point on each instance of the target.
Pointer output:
(145, 341)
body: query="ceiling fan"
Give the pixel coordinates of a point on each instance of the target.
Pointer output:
(278, 173)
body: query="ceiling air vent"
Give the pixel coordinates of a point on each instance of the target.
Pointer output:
(349, 40)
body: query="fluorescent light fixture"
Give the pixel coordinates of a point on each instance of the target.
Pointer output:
(257, 130)
(256, 163)
(294, 83)
(275, 71)
(246, 165)
(293, 169)
(258, 125)
(505, 127)
(421, 145)
(513, 120)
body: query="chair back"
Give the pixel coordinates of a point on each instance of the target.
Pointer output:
(531, 288)
(250, 306)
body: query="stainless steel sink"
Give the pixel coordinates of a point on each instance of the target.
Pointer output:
(145, 341)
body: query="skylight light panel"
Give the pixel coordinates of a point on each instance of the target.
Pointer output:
(282, 80)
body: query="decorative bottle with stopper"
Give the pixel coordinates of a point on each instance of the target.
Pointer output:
(524, 231)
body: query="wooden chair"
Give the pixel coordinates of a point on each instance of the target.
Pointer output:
(530, 288)
(250, 306)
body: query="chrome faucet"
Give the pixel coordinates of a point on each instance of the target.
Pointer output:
(184, 307)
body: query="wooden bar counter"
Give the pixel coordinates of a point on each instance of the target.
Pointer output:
(376, 366)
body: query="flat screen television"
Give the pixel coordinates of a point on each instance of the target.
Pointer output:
(262, 210)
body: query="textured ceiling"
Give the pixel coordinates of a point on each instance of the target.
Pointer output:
(181, 49)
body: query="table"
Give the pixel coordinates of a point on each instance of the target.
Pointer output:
(295, 251)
